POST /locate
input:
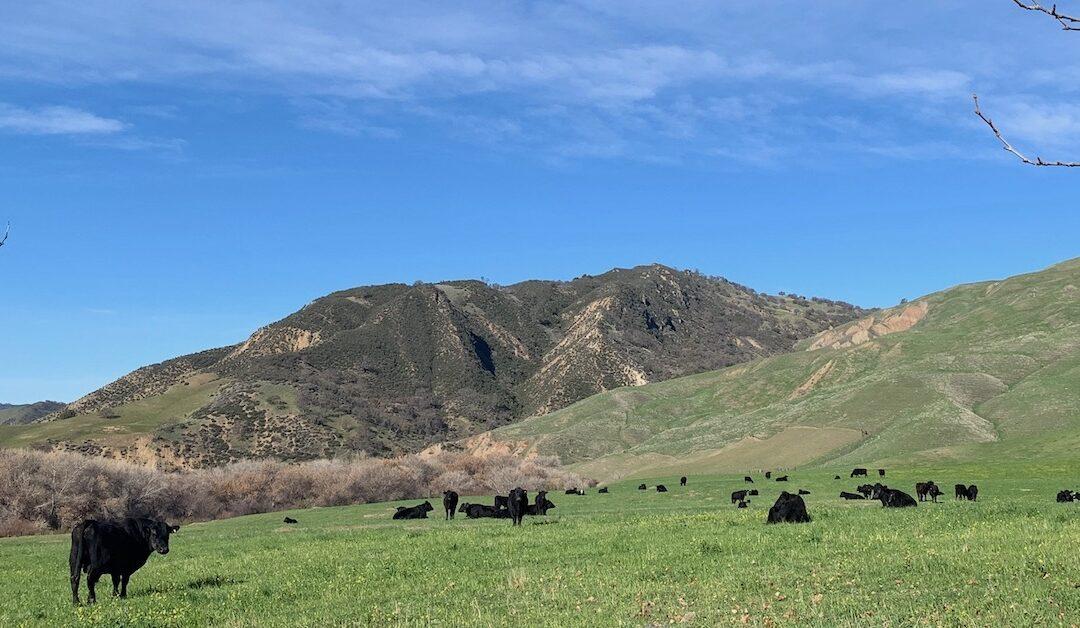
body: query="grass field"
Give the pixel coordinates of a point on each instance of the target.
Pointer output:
(627, 558)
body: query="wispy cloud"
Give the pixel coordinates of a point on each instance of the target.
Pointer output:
(56, 120)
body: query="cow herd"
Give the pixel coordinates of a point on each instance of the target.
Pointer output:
(120, 548)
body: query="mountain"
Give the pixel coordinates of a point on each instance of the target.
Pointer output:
(18, 414)
(975, 373)
(393, 368)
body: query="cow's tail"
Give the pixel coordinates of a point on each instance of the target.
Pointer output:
(81, 536)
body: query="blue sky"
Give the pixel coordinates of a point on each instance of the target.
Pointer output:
(179, 175)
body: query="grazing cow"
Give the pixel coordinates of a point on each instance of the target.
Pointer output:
(788, 509)
(519, 504)
(782, 478)
(973, 492)
(747, 478)
(418, 511)
(1066, 496)
(602, 490)
(803, 491)
(768, 475)
(858, 472)
(449, 502)
(927, 489)
(881, 473)
(847, 495)
(501, 502)
(738, 496)
(960, 491)
(288, 520)
(118, 548)
(641, 487)
(867, 490)
(892, 498)
(660, 488)
(753, 491)
(682, 481)
(743, 504)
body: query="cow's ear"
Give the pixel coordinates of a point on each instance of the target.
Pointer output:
(174, 528)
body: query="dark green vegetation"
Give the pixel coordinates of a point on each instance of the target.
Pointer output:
(627, 558)
(392, 368)
(981, 372)
(18, 414)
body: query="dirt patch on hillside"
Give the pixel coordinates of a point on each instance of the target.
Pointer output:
(815, 378)
(871, 327)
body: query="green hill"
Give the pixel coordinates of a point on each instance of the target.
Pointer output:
(18, 414)
(978, 372)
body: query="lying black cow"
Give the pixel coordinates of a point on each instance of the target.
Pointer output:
(660, 488)
(449, 502)
(803, 491)
(483, 511)
(747, 478)
(858, 472)
(519, 504)
(501, 502)
(892, 498)
(641, 487)
(575, 491)
(118, 548)
(847, 495)
(289, 520)
(837, 477)
(782, 478)
(602, 490)
(743, 504)
(1066, 496)
(682, 481)
(738, 496)
(418, 511)
(927, 489)
(753, 491)
(788, 509)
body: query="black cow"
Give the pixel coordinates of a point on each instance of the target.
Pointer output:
(501, 502)
(927, 489)
(738, 496)
(449, 502)
(960, 491)
(1066, 496)
(788, 509)
(481, 511)
(575, 491)
(892, 498)
(542, 504)
(743, 504)
(847, 495)
(288, 520)
(118, 548)
(858, 472)
(973, 493)
(768, 475)
(881, 473)
(782, 478)
(602, 490)
(867, 490)
(682, 481)
(753, 491)
(803, 491)
(836, 477)
(641, 487)
(418, 511)
(660, 488)
(519, 504)
(747, 478)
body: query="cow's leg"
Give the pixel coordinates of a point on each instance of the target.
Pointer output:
(123, 584)
(91, 582)
(76, 574)
(115, 584)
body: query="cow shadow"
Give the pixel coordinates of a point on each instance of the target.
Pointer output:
(192, 585)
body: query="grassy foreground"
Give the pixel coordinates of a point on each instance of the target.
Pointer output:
(627, 558)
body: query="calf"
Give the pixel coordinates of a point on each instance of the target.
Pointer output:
(753, 491)
(288, 520)
(660, 488)
(738, 496)
(747, 478)
(682, 481)
(892, 498)
(743, 504)
(602, 490)
(418, 511)
(641, 487)
(858, 472)
(449, 502)
(782, 478)
(118, 548)
(847, 495)
(519, 504)
(803, 491)
(788, 509)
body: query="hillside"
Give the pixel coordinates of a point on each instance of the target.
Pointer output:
(393, 368)
(19, 414)
(981, 371)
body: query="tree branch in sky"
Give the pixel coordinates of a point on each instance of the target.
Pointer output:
(1067, 22)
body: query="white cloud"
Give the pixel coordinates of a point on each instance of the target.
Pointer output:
(56, 120)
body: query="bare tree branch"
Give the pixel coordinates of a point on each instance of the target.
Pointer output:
(1038, 161)
(7, 232)
(1067, 22)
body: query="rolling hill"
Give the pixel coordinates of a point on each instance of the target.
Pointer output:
(978, 372)
(393, 368)
(19, 414)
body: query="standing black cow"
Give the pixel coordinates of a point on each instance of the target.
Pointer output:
(519, 504)
(927, 489)
(747, 478)
(660, 488)
(960, 491)
(973, 492)
(858, 472)
(881, 473)
(118, 548)
(682, 481)
(542, 503)
(449, 502)
(738, 496)
(788, 509)
(418, 511)
(768, 475)
(892, 498)
(641, 487)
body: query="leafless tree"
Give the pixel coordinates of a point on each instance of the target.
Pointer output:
(1068, 23)
(7, 232)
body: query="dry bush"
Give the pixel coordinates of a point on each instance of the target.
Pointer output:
(43, 491)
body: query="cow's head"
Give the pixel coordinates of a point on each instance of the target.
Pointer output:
(464, 507)
(157, 534)
(426, 506)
